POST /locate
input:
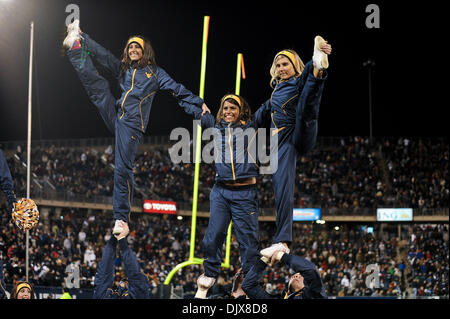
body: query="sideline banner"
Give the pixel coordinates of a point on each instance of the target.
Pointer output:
(394, 214)
(160, 207)
(306, 214)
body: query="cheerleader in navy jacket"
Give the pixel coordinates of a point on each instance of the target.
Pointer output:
(294, 109)
(234, 195)
(139, 78)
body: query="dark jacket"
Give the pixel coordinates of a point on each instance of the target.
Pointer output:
(294, 109)
(237, 148)
(138, 86)
(284, 98)
(313, 289)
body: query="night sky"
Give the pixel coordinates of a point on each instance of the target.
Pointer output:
(402, 48)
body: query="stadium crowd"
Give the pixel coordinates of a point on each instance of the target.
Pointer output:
(353, 174)
(418, 171)
(162, 241)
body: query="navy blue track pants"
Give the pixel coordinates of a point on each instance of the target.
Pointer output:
(239, 205)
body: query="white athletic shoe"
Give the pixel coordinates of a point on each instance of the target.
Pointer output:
(320, 58)
(118, 227)
(73, 34)
(205, 282)
(269, 251)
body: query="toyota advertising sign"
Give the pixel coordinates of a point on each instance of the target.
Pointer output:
(160, 207)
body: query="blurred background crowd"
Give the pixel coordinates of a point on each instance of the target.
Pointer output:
(352, 174)
(415, 264)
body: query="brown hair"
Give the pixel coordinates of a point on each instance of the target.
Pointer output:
(15, 291)
(244, 109)
(148, 55)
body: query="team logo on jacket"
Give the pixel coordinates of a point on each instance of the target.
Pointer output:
(148, 74)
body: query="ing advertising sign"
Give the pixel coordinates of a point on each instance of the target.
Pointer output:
(394, 214)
